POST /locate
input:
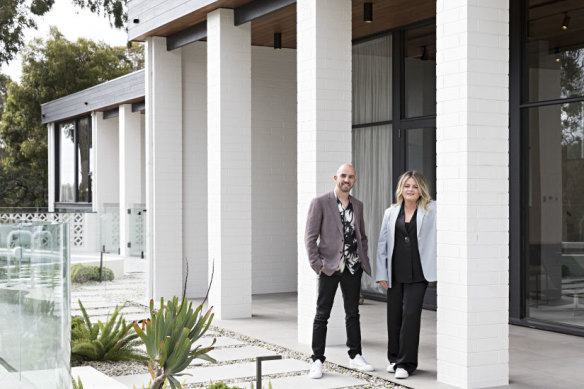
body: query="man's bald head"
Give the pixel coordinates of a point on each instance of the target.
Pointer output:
(347, 168)
(345, 177)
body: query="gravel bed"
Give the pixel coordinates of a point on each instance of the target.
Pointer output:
(114, 369)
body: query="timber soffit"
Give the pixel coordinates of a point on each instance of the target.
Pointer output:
(126, 89)
(183, 21)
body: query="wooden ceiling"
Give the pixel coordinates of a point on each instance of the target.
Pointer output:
(387, 14)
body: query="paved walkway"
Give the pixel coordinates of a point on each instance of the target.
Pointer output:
(235, 353)
(538, 359)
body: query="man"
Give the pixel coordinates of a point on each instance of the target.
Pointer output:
(336, 243)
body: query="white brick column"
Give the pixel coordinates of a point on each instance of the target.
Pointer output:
(105, 179)
(51, 165)
(473, 192)
(194, 59)
(324, 133)
(229, 163)
(164, 169)
(130, 154)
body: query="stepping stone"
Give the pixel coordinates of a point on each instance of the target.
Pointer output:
(232, 354)
(329, 380)
(128, 317)
(222, 341)
(93, 379)
(226, 372)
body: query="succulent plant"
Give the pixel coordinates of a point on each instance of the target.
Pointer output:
(113, 340)
(170, 338)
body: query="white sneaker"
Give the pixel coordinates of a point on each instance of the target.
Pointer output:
(401, 373)
(360, 363)
(391, 368)
(316, 370)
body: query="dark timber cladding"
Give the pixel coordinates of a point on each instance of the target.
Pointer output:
(126, 89)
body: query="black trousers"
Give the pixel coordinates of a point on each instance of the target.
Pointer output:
(327, 288)
(404, 313)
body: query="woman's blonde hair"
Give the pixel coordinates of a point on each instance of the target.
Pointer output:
(425, 197)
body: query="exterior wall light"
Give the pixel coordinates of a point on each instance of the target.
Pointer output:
(565, 22)
(557, 55)
(368, 12)
(136, 21)
(277, 40)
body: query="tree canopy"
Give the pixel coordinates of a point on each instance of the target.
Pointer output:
(18, 15)
(51, 68)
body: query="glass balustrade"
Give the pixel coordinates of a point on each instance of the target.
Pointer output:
(34, 305)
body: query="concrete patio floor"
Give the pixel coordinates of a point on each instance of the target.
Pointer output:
(538, 359)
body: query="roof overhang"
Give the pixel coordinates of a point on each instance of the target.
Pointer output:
(122, 90)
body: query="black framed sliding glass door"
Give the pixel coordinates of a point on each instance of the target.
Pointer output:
(547, 165)
(394, 120)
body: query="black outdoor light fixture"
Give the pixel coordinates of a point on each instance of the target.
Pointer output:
(424, 55)
(557, 54)
(566, 21)
(277, 40)
(368, 12)
(136, 21)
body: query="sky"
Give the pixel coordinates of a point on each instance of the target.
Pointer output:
(73, 23)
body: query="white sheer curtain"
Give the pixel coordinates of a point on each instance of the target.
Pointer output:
(372, 80)
(373, 162)
(372, 102)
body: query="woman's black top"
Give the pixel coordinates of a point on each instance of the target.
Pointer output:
(406, 263)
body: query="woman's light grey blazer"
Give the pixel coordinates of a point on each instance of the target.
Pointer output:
(426, 229)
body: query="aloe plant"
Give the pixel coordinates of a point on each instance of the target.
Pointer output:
(170, 336)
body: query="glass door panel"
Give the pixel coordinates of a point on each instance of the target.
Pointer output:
(420, 72)
(421, 154)
(555, 244)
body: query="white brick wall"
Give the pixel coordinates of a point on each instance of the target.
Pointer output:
(130, 169)
(324, 119)
(164, 169)
(473, 190)
(229, 163)
(106, 175)
(273, 147)
(194, 84)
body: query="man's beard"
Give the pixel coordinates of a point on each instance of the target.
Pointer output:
(340, 185)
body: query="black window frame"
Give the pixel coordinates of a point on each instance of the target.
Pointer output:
(57, 132)
(519, 174)
(400, 123)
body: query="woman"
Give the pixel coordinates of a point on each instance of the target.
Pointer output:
(406, 262)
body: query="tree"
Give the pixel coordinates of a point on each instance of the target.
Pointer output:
(51, 69)
(18, 15)
(4, 82)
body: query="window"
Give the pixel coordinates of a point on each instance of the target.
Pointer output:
(74, 161)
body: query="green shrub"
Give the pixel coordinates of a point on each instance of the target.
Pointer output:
(80, 273)
(113, 340)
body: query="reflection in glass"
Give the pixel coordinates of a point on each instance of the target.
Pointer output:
(372, 161)
(372, 80)
(35, 303)
(83, 160)
(67, 162)
(420, 72)
(421, 154)
(555, 56)
(555, 269)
